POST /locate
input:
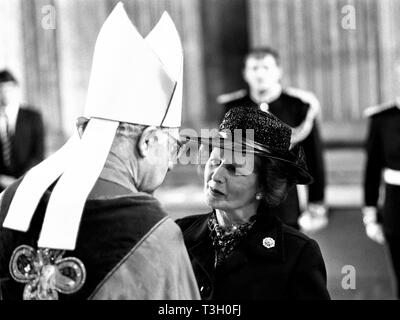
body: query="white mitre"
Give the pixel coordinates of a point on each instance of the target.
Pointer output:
(132, 80)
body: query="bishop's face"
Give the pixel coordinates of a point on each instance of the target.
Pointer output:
(261, 74)
(161, 156)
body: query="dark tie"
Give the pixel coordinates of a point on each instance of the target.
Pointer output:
(5, 140)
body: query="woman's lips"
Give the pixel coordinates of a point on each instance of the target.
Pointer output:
(215, 192)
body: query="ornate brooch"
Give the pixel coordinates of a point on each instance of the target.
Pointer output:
(46, 272)
(268, 242)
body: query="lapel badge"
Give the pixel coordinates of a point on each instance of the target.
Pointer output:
(268, 242)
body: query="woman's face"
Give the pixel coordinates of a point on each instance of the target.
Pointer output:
(230, 185)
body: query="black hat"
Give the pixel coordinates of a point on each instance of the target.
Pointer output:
(270, 138)
(7, 76)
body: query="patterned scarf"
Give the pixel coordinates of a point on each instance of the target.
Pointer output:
(225, 240)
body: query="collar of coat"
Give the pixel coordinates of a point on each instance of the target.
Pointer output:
(198, 242)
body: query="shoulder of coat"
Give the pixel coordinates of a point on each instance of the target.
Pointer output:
(376, 109)
(305, 96)
(228, 97)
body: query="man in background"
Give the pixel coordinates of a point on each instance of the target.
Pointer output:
(382, 222)
(21, 132)
(297, 108)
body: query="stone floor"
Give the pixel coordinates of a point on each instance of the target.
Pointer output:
(343, 243)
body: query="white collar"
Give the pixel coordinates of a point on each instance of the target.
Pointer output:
(12, 113)
(272, 95)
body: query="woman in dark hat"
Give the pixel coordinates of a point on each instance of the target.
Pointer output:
(241, 250)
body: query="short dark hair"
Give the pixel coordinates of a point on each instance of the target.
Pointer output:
(261, 52)
(274, 178)
(7, 76)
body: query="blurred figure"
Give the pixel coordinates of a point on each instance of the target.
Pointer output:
(298, 109)
(21, 133)
(383, 160)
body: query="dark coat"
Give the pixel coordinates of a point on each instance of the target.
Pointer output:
(383, 151)
(292, 269)
(27, 143)
(293, 111)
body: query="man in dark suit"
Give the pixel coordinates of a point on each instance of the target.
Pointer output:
(383, 163)
(298, 109)
(21, 133)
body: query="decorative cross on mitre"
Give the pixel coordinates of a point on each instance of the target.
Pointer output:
(132, 80)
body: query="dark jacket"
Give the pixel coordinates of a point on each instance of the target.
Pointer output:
(383, 151)
(27, 143)
(293, 111)
(292, 269)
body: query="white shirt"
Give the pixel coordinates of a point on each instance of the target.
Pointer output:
(12, 114)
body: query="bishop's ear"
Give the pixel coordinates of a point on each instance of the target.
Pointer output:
(147, 139)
